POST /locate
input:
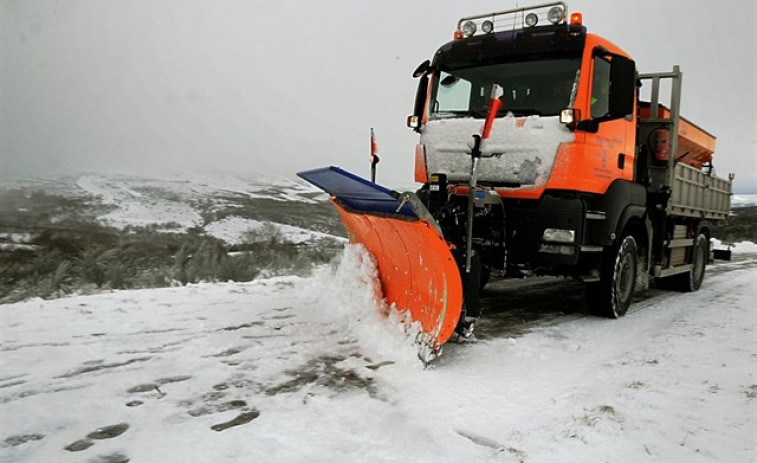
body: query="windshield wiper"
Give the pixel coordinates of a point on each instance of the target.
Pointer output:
(482, 113)
(463, 113)
(522, 111)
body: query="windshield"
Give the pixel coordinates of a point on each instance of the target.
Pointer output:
(540, 87)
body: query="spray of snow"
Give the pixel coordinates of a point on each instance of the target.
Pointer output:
(351, 293)
(520, 150)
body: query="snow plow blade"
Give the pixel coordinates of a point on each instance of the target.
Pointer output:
(417, 270)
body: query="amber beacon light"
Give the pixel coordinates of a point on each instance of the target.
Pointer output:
(576, 19)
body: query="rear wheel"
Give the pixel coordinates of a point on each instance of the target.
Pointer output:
(612, 295)
(692, 280)
(486, 275)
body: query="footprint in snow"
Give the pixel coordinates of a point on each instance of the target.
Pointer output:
(21, 439)
(112, 458)
(149, 387)
(243, 418)
(217, 408)
(107, 432)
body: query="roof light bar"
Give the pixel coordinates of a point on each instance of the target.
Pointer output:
(556, 14)
(517, 18)
(469, 28)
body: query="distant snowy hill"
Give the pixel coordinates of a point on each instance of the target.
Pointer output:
(225, 206)
(744, 200)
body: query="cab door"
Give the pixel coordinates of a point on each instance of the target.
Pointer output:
(610, 135)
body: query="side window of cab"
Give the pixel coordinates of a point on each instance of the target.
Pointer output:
(600, 88)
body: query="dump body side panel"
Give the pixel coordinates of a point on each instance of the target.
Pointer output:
(698, 194)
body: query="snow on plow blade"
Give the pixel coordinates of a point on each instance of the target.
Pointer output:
(417, 270)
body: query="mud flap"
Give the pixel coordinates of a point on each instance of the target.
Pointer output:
(417, 270)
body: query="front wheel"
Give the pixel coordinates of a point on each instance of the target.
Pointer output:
(612, 295)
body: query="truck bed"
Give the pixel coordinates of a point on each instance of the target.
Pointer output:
(699, 194)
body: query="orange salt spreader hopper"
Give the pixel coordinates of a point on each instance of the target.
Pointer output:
(695, 145)
(417, 270)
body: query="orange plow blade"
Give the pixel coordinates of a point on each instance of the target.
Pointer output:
(417, 270)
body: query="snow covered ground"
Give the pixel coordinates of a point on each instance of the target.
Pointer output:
(302, 369)
(744, 247)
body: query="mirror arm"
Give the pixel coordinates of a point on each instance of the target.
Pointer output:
(589, 125)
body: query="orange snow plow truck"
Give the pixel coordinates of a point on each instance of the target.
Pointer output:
(537, 157)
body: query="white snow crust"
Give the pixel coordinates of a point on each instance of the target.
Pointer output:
(745, 247)
(233, 230)
(333, 381)
(524, 148)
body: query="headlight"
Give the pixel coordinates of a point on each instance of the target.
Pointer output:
(469, 28)
(487, 26)
(559, 235)
(567, 116)
(531, 19)
(556, 14)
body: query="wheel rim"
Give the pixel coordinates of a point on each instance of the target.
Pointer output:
(625, 283)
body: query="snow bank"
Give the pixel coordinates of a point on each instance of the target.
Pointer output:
(233, 230)
(524, 148)
(133, 208)
(138, 213)
(745, 247)
(90, 184)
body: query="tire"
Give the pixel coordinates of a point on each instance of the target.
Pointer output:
(486, 275)
(692, 280)
(612, 295)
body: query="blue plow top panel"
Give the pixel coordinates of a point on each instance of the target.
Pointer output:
(356, 193)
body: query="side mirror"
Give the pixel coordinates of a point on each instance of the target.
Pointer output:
(588, 125)
(422, 69)
(414, 120)
(622, 87)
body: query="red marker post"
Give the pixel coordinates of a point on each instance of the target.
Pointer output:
(374, 156)
(494, 104)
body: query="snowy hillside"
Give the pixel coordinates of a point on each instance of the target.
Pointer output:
(221, 204)
(302, 369)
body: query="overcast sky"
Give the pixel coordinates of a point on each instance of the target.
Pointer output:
(254, 87)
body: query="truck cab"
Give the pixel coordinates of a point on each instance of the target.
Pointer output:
(565, 184)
